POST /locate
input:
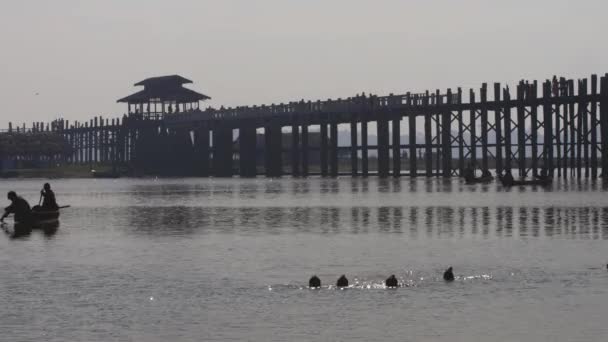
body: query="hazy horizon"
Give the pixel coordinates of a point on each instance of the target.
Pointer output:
(74, 59)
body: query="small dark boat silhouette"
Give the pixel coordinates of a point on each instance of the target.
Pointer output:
(314, 282)
(342, 281)
(541, 182)
(391, 281)
(448, 275)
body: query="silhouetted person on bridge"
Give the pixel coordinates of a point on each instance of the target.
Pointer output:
(448, 275)
(314, 282)
(342, 281)
(391, 281)
(19, 207)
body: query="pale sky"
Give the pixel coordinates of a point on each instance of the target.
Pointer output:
(80, 56)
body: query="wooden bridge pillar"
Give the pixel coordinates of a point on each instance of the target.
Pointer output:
(305, 150)
(323, 151)
(383, 146)
(565, 123)
(484, 126)
(604, 124)
(274, 150)
(584, 129)
(222, 151)
(548, 128)
(333, 155)
(594, 125)
(498, 128)
(364, 147)
(522, 91)
(533, 94)
(247, 151)
(507, 131)
(428, 138)
(446, 139)
(412, 135)
(201, 150)
(295, 150)
(473, 130)
(353, 148)
(397, 145)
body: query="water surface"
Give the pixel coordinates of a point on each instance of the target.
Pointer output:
(228, 260)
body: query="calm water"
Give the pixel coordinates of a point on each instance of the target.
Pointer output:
(227, 260)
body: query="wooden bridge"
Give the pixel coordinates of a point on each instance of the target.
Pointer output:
(558, 124)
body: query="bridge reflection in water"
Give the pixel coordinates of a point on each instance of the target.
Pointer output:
(413, 221)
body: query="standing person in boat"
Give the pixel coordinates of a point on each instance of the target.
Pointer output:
(19, 207)
(49, 201)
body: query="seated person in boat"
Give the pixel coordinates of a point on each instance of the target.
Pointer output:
(543, 174)
(508, 178)
(19, 207)
(49, 201)
(486, 174)
(468, 174)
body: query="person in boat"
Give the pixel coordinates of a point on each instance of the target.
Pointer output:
(543, 174)
(342, 281)
(391, 281)
(19, 207)
(448, 275)
(486, 174)
(49, 202)
(508, 179)
(469, 174)
(314, 282)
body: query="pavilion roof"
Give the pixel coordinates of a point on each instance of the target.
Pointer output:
(164, 88)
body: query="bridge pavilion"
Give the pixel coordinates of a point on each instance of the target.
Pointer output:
(163, 95)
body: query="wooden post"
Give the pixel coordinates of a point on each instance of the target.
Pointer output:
(428, 137)
(594, 127)
(522, 91)
(203, 149)
(498, 123)
(446, 131)
(438, 133)
(604, 124)
(295, 149)
(305, 165)
(565, 124)
(364, 148)
(397, 145)
(572, 123)
(323, 151)
(583, 136)
(507, 125)
(461, 163)
(473, 129)
(412, 132)
(484, 126)
(353, 147)
(333, 160)
(247, 150)
(548, 128)
(558, 134)
(532, 93)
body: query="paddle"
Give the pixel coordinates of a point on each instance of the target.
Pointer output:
(64, 206)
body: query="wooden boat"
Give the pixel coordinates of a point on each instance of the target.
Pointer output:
(540, 182)
(43, 215)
